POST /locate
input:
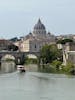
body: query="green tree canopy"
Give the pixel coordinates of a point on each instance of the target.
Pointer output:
(48, 53)
(12, 47)
(64, 41)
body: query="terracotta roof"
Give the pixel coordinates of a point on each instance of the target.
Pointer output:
(3, 41)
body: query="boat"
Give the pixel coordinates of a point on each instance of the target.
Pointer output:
(21, 68)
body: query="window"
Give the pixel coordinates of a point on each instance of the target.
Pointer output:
(35, 46)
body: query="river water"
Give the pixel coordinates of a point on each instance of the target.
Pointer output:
(36, 86)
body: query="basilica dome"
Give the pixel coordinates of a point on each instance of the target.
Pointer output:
(39, 29)
(39, 25)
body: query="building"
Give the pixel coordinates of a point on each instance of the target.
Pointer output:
(67, 36)
(68, 53)
(4, 44)
(35, 40)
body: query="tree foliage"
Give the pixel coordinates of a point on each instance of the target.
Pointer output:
(12, 47)
(48, 53)
(56, 64)
(69, 66)
(64, 41)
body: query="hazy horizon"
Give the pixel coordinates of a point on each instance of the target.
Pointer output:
(18, 17)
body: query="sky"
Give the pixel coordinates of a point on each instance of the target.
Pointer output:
(18, 17)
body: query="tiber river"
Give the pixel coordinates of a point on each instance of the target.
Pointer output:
(36, 86)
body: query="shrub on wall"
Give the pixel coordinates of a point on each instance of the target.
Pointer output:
(30, 61)
(56, 64)
(68, 67)
(9, 59)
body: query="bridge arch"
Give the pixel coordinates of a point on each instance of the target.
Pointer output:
(19, 56)
(8, 63)
(7, 57)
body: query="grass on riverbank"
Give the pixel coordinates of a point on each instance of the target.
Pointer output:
(68, 69)
(54, 67)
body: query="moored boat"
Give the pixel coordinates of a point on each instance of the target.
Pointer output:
(21, 68)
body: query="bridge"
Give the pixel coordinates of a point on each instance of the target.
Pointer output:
(19, 56)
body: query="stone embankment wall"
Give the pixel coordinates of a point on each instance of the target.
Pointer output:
(31, 67)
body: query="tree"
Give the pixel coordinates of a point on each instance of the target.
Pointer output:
(64, 41)
(12, 47)
(14, 39)
(48, 53)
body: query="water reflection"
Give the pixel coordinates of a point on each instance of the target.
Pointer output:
(7, 67)
(36, 86)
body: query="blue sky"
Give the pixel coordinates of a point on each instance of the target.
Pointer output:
(18, 17)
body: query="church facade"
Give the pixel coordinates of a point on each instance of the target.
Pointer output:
(34, 41)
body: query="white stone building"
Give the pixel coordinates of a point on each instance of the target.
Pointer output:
(68, 53)
(35, 40)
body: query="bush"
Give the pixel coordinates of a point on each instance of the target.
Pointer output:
(9, 59)
(68, 67)
(56, 64)
(30, 61)
(47, 69)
